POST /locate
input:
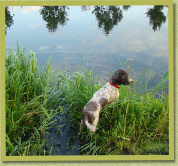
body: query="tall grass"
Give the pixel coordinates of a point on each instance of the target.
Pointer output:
(29, 103)
(77, 88)
(130, 125)
(137, 123)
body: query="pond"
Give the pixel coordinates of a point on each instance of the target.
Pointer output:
(102, 38)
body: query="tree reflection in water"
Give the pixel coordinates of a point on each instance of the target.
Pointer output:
(107, 17)
(54, 15)
(8, 19)
(156, 16)
(126, 7)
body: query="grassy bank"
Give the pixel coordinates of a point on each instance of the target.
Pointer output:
(29, 105)
(137, 123)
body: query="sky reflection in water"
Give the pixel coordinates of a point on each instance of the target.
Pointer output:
(83, 36)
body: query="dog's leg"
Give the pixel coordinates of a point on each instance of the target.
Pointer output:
(88, 136)
(81, 125)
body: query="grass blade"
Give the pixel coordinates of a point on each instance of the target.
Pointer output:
(143, 74)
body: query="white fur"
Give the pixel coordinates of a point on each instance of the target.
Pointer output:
(90, 127)
(107, 91)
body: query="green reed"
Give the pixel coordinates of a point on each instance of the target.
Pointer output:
(127, 126)
(29, 103)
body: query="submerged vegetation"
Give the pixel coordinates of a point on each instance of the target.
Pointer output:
(137, 123)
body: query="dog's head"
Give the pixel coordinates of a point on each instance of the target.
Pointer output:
(121, 77)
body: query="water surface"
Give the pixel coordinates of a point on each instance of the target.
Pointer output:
(100, 36)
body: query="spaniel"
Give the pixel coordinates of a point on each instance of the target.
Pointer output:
(106, 94)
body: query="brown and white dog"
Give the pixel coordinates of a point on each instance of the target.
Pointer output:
(106, 94)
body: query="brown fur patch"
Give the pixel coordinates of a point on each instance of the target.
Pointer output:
(120, 77)
(91, 106)
(103, 102)
(88, 116)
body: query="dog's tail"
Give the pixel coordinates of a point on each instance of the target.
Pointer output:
(90, 127)
(88, 118)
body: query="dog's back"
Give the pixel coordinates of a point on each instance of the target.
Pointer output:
(100, 99)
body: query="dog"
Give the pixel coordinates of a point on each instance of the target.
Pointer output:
(106, 94)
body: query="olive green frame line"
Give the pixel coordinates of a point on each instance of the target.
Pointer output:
(82, 157)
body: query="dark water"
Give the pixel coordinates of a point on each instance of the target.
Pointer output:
(100, 37)
(62, 137)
